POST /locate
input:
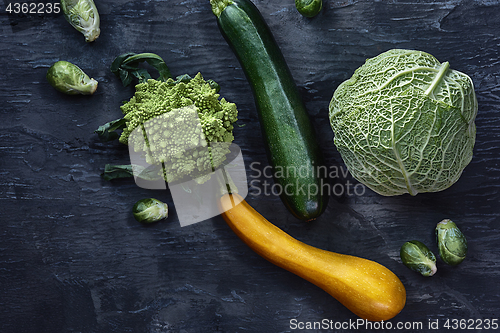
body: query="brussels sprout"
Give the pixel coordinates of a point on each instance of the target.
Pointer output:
(309, 8)
(451, 242)
(70, 79)
(150, 210)
(83, 16)
(417, 257)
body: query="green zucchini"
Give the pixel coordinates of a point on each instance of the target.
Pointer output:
(291, 144)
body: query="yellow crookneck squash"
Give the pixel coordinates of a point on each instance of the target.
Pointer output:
(365, 287)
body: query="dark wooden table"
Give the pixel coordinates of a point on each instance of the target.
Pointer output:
(72, 257)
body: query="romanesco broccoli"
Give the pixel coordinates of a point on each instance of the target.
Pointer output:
(182, 126)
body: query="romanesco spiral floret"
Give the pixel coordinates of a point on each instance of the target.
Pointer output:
(182, 126)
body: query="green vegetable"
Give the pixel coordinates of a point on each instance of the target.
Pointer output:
(309, 8)
(150, 210)
(83, 16)
(126, 171)
(70, 79)
(179, 125)
(107, 132)
(417, 257)
(126, 67)
(288, 133)
(452, 243)
(182, 119)
(404, 123)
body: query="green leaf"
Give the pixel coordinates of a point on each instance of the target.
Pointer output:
(152, 172)
(126, 67)
(141, 74)
(185, 78)
(112, 171)
(107, 132)
(214, 85)
(117, 171)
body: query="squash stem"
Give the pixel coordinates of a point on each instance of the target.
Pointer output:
(218, 6)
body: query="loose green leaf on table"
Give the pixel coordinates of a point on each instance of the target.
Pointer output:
(112, 171)
(126, 67)
(107, 132)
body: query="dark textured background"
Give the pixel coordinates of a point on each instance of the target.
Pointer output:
(73, 259)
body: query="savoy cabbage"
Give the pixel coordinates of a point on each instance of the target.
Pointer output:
(404, 123)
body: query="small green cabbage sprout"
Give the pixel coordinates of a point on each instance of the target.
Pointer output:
(309, 8)
(404, 123)
(452, 243)
(417, 257)
(70, 79)
(150, 210)
(83, 16)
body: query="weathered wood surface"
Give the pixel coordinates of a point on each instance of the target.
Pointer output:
(73, 259)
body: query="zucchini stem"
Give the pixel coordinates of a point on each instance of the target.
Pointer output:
(218, 6)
